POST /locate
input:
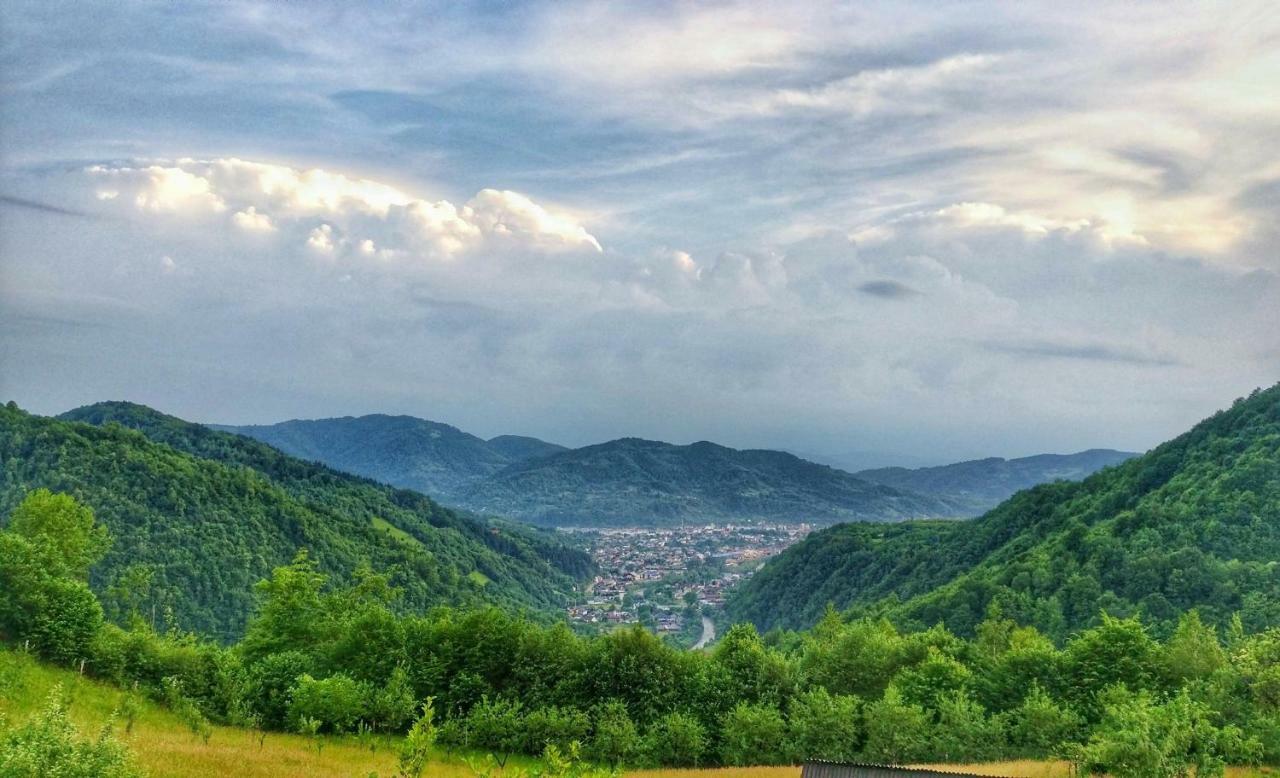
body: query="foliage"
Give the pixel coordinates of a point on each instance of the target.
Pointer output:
(824, 726)
(49, 745)
(336, 702)
(416, 748)
(676, 739)
(1142, 738)
(753, 734)
(615, 739)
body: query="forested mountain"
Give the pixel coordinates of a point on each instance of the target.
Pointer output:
(210, 514)
(1194, 523)
(981, 484)
(404, 451)
(633, 481)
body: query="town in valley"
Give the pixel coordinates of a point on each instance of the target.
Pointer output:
(673, 580)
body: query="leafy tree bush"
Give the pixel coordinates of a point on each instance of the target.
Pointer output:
(45, 556)
(964, 732)
(1040, 727)
(49, 745)
(269, 682)
(676, 739)
(615, 738)
(415, 751)
(553, 726)
(337, 702)
(753, 734)
(496, 726)
(897, 731)
(392, 706)
(823, 726)
(1140, 737)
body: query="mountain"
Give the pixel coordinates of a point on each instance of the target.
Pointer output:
(982, 484)
(213, 513)
(1194, 523)
(633, 481)
(518, 448)
(403, 451)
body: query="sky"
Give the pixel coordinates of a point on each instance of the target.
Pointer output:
(871, 233)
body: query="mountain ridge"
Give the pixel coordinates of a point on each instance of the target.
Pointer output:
(981, 484)
(1193, 523)
(212, 513)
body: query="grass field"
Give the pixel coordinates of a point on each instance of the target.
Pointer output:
(165, 748)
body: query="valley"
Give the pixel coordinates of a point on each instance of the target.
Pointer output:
(673, 580)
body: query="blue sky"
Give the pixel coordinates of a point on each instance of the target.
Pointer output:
(915, 231)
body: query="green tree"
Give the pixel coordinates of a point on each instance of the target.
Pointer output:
(45, 555)
(496, 726)
(1041, 727)
(337, 702)
(1139, 737)
(897, 731)
(823, 726)
(753, 734)
(615, 738)
(927, 683)
(66, 538)
(964, 732)
(676, 739)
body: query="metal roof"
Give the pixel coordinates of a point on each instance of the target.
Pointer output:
(819, 769)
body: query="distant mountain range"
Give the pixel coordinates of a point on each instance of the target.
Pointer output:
(641, 482)
(982, 484)
(645, 481)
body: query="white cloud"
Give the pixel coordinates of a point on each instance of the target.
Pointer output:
(269, 198)
(321, 239)
(250, 219)
(512, 214)
(159, 188)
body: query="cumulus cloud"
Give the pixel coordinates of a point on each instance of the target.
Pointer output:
(334, 212)
(249, 219)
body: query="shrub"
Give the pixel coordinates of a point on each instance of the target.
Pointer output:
(897, 731)
(615, 738)
(337, 702)
(753, 734)
(49, 745)
(676, 739)
(823, 726)
(554, 726)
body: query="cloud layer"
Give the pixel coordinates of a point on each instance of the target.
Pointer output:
(929, 230)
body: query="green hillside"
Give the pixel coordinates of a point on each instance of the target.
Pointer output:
(1193, 523)
(427, 456)
(211, 514)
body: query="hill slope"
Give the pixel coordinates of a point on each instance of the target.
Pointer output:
(982, 484)
(641, 481)
(1194, 523)
(403, 451)
(213, 513)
